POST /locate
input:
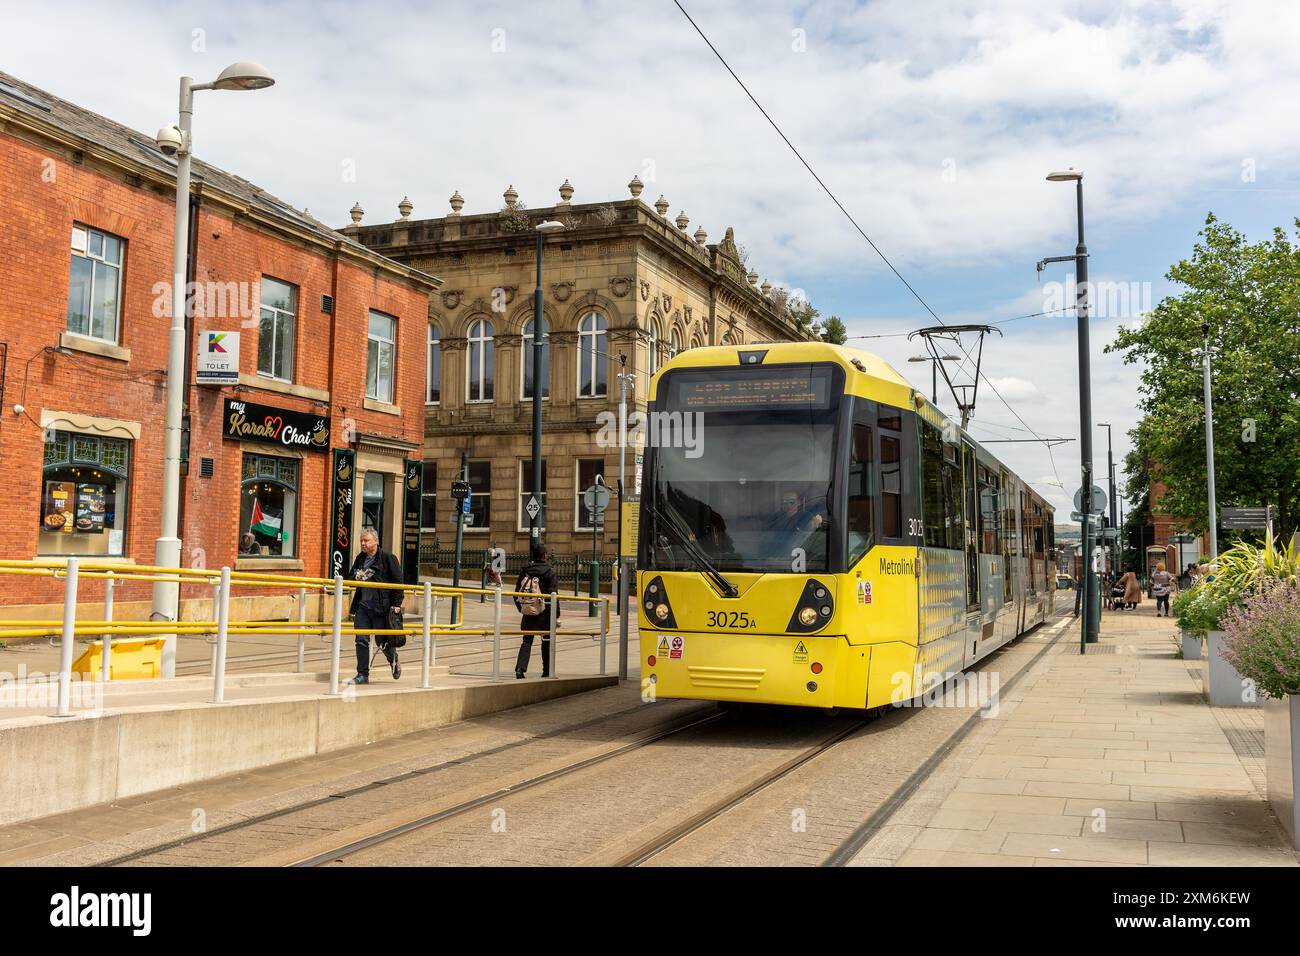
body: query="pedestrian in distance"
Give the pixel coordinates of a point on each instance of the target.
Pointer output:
(537, 579)
(1132, 589)
(1162, 582)
(375, 609)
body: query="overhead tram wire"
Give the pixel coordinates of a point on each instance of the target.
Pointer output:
(826, 189)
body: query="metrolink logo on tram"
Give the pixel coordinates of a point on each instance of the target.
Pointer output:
(952, 689)
(657, 429)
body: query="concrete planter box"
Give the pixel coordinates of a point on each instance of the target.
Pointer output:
(1191, 645)
(1282, 761)
(1222, 683)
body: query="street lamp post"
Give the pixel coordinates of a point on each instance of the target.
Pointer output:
(1209, 444)
(1110, 472)
(1091, 596)
(535, 517)
(934, 371)
(176, 140)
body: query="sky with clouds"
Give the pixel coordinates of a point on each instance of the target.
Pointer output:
(933, 123)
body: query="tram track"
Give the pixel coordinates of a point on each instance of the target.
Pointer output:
(708, 711)
(424, 836)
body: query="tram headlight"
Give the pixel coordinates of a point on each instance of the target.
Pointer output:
(654, 601)
(814, 609)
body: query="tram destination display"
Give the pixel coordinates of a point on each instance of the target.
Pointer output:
(756, 389)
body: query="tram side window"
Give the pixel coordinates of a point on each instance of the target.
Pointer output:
(941, 491)
(988, 518)
(861, 477)
(891, 483)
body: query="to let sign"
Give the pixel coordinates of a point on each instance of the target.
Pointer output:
(245, 421)
(218, 362)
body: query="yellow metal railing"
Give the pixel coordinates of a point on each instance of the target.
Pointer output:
(72, 570)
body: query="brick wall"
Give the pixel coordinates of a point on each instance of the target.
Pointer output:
(43, 194)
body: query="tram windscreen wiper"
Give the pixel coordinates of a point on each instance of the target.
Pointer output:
(693, 548)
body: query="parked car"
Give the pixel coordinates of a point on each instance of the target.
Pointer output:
(1064, 582)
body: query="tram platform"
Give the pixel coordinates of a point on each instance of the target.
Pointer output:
(1110, 758)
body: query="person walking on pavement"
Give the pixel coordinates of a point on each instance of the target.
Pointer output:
(536, 578)
(1161, 584)
(372, 607)
(1132, 589)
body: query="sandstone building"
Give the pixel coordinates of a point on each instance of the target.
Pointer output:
(621, 279)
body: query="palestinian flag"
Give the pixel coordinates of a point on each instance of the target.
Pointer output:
(264, 522)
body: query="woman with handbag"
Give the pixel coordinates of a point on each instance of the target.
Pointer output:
(375, 608)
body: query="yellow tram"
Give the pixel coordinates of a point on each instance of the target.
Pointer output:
(814, 532)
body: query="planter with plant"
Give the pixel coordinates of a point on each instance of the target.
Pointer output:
(1263, 644)
(1191, 637)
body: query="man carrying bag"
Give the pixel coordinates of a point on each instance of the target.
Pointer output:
(376, 608)
(537, 578)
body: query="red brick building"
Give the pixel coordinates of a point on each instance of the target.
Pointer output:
(331, 357)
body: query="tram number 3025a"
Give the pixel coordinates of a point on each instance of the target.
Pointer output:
(731, 619)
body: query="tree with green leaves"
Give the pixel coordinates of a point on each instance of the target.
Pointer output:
(834, 331)
(1246, 296)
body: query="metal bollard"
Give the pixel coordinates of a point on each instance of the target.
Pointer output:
(69, 629)
(496, 633)
(219, 649)
(604, 632)
(302, 634)
(338, 636)
(107, 673)
(555, 620)
(426, 619)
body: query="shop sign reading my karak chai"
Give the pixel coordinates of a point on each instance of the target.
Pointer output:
(245, 421)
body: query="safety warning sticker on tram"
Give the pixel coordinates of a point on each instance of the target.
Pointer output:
(800, 653)
(678, 649)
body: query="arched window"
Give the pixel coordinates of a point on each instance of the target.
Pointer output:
(695, 342)
(593, 369)
(433, 367)
(479, 357)
(652, 347)
(526, 355)
(674, 342)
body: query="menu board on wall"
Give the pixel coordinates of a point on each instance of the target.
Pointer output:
(57, 506)
(90, 509)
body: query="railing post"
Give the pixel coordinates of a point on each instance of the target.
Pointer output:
(604, 632)
(69, 629)
(302, 634)
(338, 636)
(426, 619)
(433, 619)
(107, 671)
(496, 633)
(223, 624)
(216, 611)
(555, 620)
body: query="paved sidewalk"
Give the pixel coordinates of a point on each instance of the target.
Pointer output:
(1112, 758)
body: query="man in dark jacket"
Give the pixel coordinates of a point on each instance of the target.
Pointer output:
(371, 606)
(541, 572)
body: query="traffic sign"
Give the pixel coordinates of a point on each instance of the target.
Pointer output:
(596, 498)
(460, 489)
(1241, 519)
(1098, 499)
(1093, 520)
(532, 507)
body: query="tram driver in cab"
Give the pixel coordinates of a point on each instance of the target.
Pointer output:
(798, 517)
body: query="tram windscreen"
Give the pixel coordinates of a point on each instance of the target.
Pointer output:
(741, 465)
